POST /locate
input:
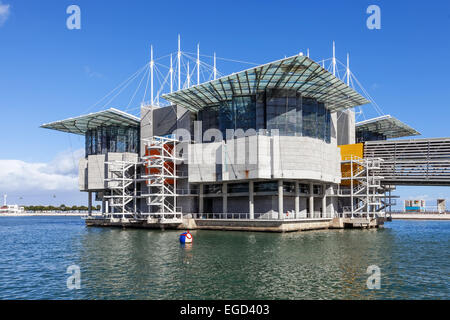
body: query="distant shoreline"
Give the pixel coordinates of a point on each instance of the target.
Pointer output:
(420, 216)
(48, 214)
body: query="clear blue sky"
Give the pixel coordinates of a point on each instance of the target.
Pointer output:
(48, 72)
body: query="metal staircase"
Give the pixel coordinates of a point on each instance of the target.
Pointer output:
(361, 190)
(160, 175)
(122, 186)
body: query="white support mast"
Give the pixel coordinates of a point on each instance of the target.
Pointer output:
(171, 74)
(198, 64)
(4, 199)
(188, 76)
(179, 62)
(215, 70)
(348, 69)
(334, 59)
(151, 74)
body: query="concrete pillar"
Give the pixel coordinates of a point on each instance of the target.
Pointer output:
(280, 199)
(324, 201)
(225, 197)
(103, 206)
(311, 200)
(251, 200)
(90, 203)
(200, 199)
(297, 198)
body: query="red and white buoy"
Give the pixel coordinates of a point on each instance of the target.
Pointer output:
(186, 237)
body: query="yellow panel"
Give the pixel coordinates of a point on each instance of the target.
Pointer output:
(349, 150)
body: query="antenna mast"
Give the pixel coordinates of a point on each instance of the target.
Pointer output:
(198, 64)
(151, 74)
(334, 59)
(215, 70)
(348, 69)
(179, 62)
(171, 74)
(188, 76)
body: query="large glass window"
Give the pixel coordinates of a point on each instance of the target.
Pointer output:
(209, 117)
(245, 112)
(112, 139)
(240, 113)
(275, 109)
(364, 135)
(309, 107)
(321, 118)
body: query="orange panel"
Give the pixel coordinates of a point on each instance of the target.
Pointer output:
(347, 151)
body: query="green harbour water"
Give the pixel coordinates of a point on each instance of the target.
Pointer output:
(35, 252)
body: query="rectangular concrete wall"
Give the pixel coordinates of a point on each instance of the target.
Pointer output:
(276, 158)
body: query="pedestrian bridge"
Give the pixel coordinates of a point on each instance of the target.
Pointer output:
(418, 162)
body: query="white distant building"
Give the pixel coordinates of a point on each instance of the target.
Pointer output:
(10, 209)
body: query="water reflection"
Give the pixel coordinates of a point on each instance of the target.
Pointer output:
(150, 264)
(232, 265)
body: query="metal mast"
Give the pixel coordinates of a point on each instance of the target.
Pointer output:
(198, 64)
(348, 69)
(188, 76)
(151, 74)
(179, 62)
(215, 70)
(334, 59)
(171, 74)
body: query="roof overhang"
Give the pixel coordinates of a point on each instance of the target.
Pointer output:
(298, 73)
(387, 126)
(81, 124)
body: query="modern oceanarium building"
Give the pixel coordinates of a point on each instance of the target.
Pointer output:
(271, 148)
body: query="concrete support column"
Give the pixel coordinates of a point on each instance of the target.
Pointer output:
(200, 198)
(225, 197)
(297, 198)
(90, 203)
(103, 206)
(311, 200)
(251, 200)
(324, 201)
(280, 199)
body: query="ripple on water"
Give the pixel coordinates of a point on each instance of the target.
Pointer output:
(142, 264)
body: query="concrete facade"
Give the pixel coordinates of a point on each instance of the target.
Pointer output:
(264, 157)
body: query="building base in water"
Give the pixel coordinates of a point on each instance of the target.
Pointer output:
(289, 225)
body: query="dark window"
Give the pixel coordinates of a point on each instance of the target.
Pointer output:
(238, 187)
(265, 186)
(309, 118)
(317, 189)
(289, 187)
(304, 188)
(212, 188)
(112, 139)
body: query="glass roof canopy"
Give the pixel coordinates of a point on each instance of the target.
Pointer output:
(81, 124)
(299, 73)
(387, 126)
